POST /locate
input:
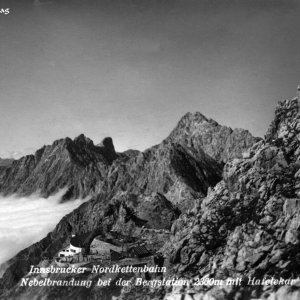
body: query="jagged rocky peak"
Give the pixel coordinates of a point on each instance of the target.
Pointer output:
(193, 117)
(82, 139)
(107, 143)
(189, 122)
(65, 163)
(61, 142)
(222, 143)
(108, 148)
(83, 151)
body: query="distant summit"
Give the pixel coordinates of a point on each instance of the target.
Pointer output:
(75, 164)
(220, 142)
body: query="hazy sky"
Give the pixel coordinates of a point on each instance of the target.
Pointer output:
(130, 69)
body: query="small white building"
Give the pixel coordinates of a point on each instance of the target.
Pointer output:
(65, 252)
(76, 246)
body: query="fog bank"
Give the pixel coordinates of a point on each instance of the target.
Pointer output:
(26, 220)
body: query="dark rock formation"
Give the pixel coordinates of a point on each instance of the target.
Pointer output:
(108, 148)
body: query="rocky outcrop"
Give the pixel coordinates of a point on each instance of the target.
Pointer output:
(108, 148)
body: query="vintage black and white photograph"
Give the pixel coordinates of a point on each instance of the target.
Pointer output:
(149, 150)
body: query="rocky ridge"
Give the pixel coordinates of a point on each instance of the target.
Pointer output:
(75, 164)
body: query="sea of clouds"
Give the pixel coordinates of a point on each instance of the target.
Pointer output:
(26, 220)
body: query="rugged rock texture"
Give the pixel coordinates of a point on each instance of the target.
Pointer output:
(202, 134)
(248, 225)
(184, 165)
(76, 164)
(181, 167)
(173, 170)
(129, 189)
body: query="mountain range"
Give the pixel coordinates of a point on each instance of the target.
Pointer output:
(229, 200)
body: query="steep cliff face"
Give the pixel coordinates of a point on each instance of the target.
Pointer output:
(153, 186)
